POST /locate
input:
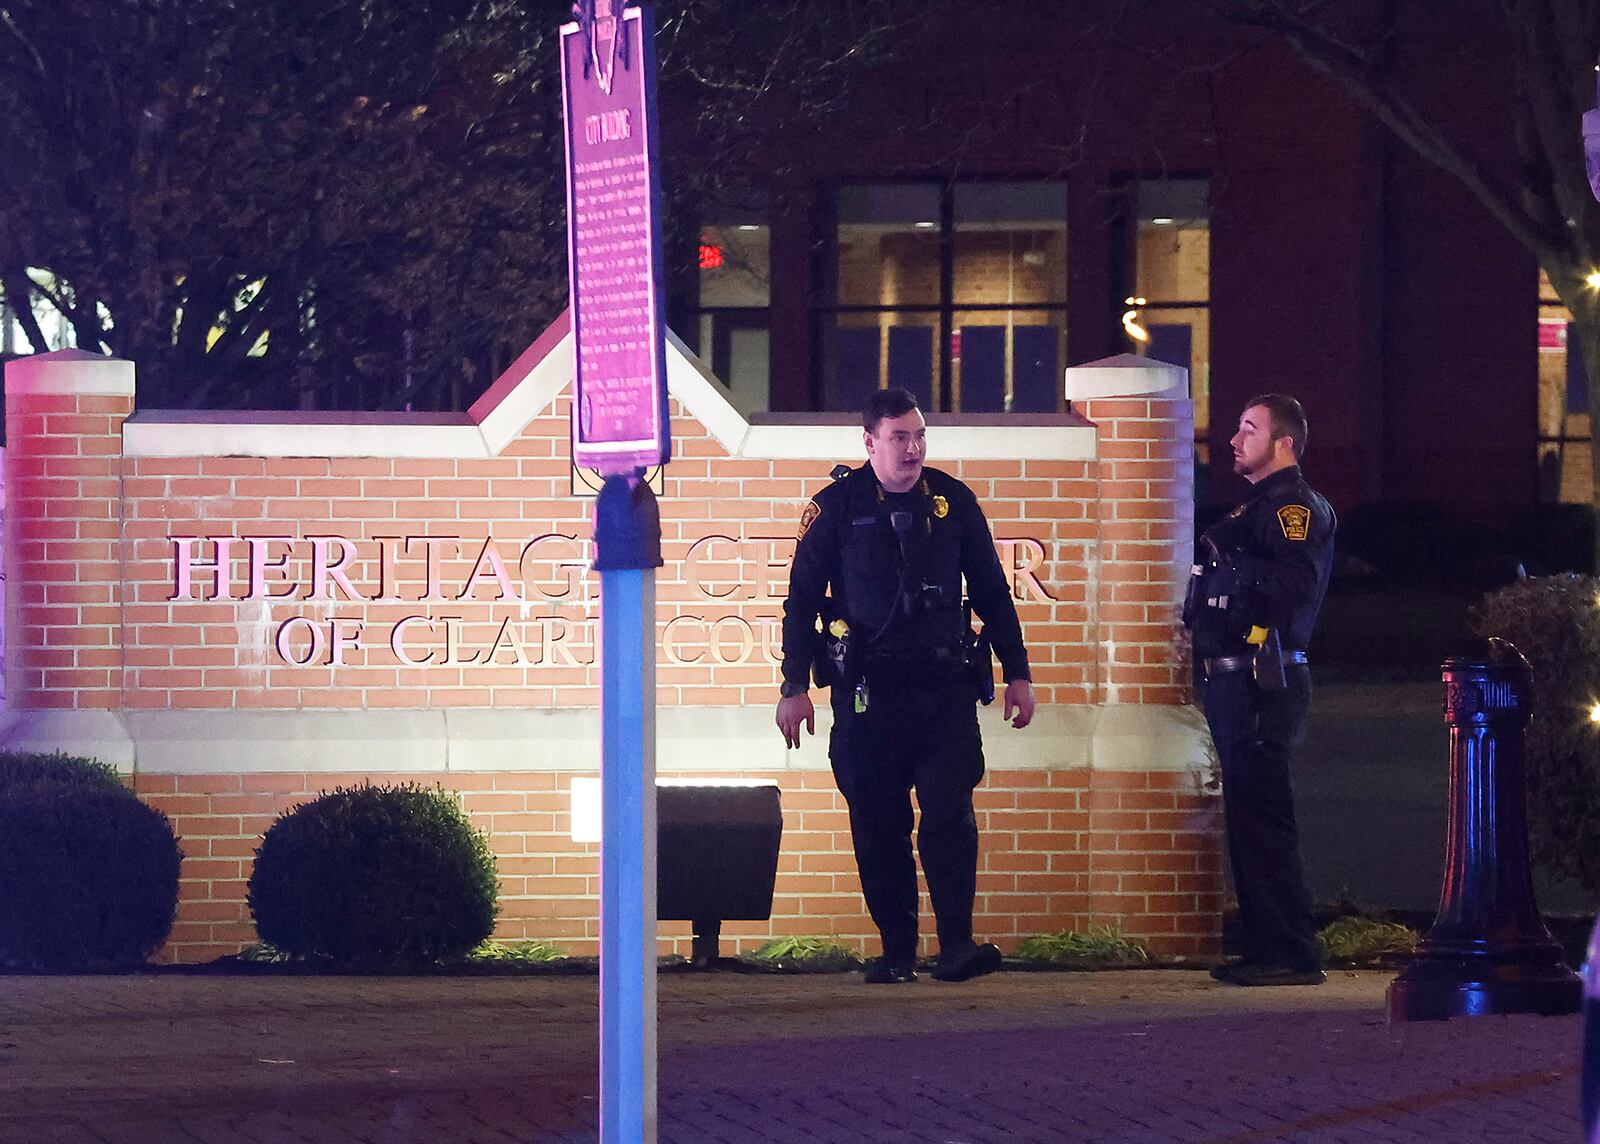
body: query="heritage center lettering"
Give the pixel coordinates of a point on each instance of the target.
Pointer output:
(548, 572)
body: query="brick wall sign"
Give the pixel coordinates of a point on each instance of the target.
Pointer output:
(239, 610)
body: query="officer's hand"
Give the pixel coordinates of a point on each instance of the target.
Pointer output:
(1019, 698)
(795, 710)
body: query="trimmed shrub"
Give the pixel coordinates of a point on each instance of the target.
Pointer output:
(375, 875)
(30, 766)
(88, 873)
(1554, 621)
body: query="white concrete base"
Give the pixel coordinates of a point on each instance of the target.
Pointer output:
(732, 740)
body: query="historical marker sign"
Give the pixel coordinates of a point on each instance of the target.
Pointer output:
(614, 267)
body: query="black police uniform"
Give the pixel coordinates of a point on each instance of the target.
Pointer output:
(906, 715)
(1265, 565)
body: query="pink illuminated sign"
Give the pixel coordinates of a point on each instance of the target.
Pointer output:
(614, 265)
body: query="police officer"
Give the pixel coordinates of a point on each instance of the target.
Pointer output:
(1258, 582)
(893, 539)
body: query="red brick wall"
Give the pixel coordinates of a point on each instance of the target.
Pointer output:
(1071, 835)
(1060, 849)
(63, 550)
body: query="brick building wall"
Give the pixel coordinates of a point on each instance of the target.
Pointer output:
(241, 610)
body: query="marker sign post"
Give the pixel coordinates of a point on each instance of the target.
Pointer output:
(620, 426)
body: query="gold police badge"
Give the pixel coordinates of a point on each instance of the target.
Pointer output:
(941, 507)
(808, 518)
(1295, 520)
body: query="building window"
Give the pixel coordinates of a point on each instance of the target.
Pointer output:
(1167, 313)
(735, 290)
(956, 292)
(1565, 468)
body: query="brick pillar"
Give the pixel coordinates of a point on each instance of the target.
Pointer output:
(1145, 458)
(1155, 860)
(63, 523)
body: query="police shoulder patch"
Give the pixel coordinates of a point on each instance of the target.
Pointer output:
(808, 518)
(1295, 520)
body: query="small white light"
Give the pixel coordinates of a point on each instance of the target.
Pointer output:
(585, 809)
(926, 225)
(1594, 713)
(1593, 279)
(586, 800)
(1161, 222)
(748, 226)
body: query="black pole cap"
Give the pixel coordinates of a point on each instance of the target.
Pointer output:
(627, 525)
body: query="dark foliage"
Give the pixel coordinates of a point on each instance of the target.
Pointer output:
(347, 204)
(32, 766)
(374, 875)
(88, 873)
(1555, 622)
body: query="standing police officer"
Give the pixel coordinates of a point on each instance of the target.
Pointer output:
(1258, 582)
(893, 540)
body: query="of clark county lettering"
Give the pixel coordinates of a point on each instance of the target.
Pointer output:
(550, 573)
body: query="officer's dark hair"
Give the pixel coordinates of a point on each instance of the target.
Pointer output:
(886, 403)
(1288, 419)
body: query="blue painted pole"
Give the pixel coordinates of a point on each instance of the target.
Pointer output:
(627, 553)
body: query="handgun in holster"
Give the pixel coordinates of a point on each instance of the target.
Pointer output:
(835, 659)
(977, 656)
(1267, 663)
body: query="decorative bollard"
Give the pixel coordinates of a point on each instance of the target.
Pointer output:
(1488, 950)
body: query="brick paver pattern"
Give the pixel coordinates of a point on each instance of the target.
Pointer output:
(1137, 1057)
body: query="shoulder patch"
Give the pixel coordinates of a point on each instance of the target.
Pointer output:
(1295, 520)
(808, 517)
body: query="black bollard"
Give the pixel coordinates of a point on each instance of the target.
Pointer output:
(1488, 950)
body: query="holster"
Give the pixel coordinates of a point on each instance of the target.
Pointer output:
(837, 660)
(1267, 663)
(977, 657)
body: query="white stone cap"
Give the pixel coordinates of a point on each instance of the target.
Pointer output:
(539, 376)
(1125, 375)
(70, 372)
(732, 741)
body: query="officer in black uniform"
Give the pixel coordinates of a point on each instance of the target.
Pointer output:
(1259, 578)
(893, 539)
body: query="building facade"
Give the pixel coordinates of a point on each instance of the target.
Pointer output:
(1019, 194)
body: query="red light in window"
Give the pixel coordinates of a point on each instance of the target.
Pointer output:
(710, 257)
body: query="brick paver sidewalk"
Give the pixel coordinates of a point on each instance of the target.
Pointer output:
(1136, 1057)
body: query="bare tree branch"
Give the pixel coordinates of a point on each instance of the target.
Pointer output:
(1352, 70)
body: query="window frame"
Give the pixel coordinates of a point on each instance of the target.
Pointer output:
(824, 311)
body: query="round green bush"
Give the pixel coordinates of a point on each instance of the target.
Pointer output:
(88, 874)
(32, 766)
(374, 874)
(1554, 621)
